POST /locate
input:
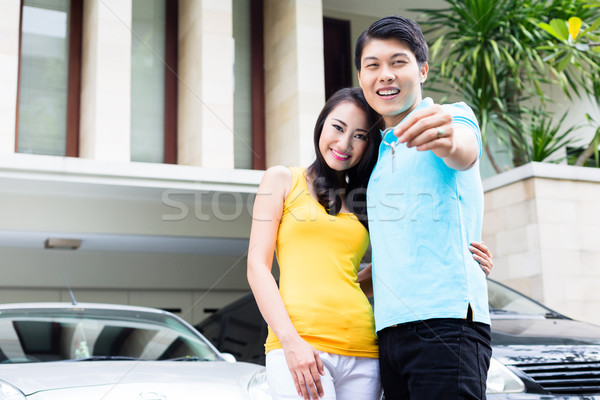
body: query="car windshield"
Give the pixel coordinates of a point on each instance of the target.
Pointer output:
(503, 300)
(39, 335)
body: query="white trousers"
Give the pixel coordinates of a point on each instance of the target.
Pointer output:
(346, 377)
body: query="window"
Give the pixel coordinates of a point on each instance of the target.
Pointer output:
(49, 77)
(248, 103)
(154, 81)
(337, 55)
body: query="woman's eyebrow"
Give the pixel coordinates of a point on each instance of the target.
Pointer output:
(340, 121)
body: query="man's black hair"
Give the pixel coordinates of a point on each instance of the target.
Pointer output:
(394, 27)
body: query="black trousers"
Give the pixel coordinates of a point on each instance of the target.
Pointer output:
(435, 359)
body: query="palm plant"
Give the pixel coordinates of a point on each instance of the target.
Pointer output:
(543, 139)
(489, 54)
(578, 49)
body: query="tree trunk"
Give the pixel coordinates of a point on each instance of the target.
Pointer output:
(490, 155)
(587, 153)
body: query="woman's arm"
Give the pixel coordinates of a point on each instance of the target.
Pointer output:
(365, 280)
(302, 359)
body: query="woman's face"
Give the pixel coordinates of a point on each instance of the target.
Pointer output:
(344, 138)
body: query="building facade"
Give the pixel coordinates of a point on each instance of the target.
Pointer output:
(140, 129)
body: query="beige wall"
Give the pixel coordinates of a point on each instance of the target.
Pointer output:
(294, 79)
(190, 282)
(9, 64)
(157, 235)
(542, 223)
(106, 80)
(205, 92)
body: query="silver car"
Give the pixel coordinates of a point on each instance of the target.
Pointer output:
(109, 352)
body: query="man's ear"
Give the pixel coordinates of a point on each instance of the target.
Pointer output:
(359, 82)
(424, 71)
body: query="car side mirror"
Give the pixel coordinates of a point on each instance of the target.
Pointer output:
(228, 357)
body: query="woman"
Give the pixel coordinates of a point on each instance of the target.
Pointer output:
(321, 339)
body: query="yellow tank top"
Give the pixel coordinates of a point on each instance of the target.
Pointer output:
(318, 256)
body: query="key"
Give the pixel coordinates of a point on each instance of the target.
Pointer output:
(393, 147)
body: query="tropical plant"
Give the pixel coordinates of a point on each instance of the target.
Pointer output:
(578, 49)
(490, 53)
(541, 139)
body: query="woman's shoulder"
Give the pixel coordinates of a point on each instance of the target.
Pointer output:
(279, 172)
(278, 178)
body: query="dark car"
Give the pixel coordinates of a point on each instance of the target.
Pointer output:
(538, 354)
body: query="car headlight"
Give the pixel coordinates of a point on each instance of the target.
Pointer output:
(9, 392)
(258, 388)
(502, 380)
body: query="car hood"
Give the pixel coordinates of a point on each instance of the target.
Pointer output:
(143, 380)
(525, 341)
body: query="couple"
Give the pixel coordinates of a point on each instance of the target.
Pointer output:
(429, 337)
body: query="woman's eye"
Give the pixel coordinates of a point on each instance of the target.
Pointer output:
(337, 127)
(360, 136)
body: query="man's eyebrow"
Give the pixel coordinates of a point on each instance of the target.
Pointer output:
(373, 58)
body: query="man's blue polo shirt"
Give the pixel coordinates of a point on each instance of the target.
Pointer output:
(422, 217)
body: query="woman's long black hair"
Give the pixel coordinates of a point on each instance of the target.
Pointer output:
(328, 187)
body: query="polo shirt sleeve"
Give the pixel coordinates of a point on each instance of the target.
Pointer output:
(463, 114)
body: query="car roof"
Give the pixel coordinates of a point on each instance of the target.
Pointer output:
(67, 305)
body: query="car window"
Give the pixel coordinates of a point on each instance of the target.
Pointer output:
(63, 334)
(505, 300)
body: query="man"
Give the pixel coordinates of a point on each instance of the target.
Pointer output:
(425, 203)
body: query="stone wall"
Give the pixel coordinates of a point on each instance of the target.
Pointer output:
(542, 223)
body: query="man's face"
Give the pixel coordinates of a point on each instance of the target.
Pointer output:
(391, 78)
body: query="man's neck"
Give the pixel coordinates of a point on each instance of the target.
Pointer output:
(393, 120)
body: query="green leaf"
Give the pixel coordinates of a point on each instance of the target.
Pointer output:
(592, 27)
(495, 48)
(564, 62)
(436, 46)
(560, 27)
(550, 30)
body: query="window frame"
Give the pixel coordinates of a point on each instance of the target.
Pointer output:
(73, 82)
(171, 81)
(258, 85)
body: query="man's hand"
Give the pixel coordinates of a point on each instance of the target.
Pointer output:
(432, 129)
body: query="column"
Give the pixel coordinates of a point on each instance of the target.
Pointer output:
(294, 79)
(9, 69)
(205, 98)
(105, 82)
